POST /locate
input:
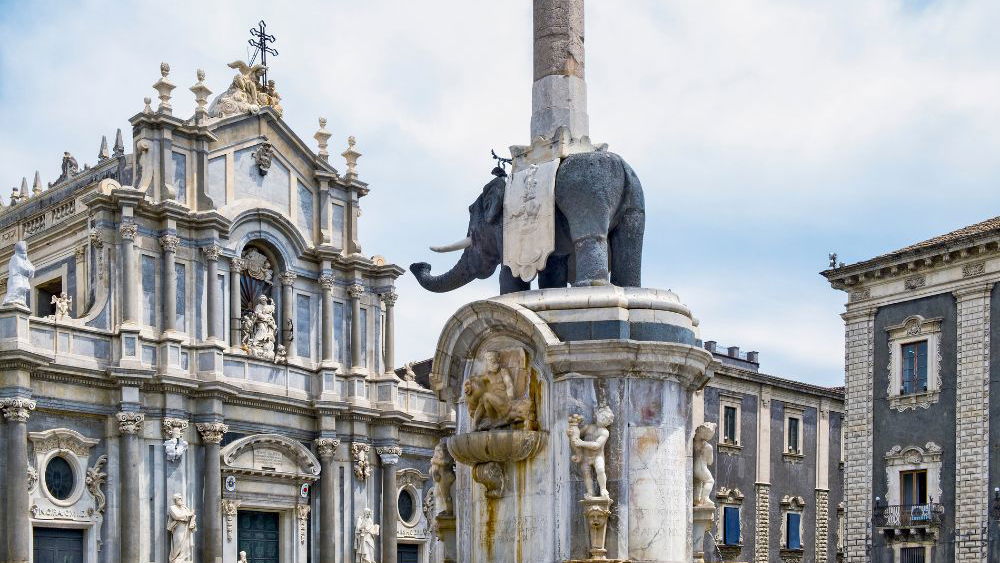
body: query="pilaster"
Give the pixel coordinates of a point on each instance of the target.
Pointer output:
(972, 422)
(859, 328)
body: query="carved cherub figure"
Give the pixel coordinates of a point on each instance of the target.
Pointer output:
(443, 474)
(490, 394)
(588, 448)
(62, 304)
(704, 455)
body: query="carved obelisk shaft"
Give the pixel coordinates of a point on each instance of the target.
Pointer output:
(559, 93)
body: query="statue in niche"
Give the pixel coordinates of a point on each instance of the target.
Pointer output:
(443, 475)
(588, 449)
(500, 396)
(364, 538)
(20, 270)
(180, 524)
(62, 304)
(259, 329)
(704, 455)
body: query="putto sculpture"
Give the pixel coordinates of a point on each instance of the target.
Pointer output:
(704, 455)
(588, 444)
(443, 475)
(20, 270)
(62, 304)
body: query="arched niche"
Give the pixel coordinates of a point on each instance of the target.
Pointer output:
(272, 456)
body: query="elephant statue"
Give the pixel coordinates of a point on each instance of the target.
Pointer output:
(600, 219)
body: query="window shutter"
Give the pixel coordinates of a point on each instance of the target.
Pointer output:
(731, 534)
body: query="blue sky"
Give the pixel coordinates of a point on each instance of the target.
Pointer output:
(766, 134)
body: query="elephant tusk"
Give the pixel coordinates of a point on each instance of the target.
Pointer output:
(464, 243)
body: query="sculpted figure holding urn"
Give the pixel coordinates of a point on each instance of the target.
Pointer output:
(588, 449)
(704, 455)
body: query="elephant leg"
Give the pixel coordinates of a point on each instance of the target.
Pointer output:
(626, 249)
(509, 283)
(591, 252)
(554, 274)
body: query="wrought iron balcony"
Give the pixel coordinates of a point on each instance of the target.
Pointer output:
(911, 516)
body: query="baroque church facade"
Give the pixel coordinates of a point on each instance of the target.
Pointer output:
(202, 365)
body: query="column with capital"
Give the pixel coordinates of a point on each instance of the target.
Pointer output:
(235, 302)
(130, 472)
(211, 522)
(288, 312)
(214, 299)
(329, 331)
(16, 411)
(128, 232)
(389, 456)
(389, 299)
(327, 448)
(169, 244)
(356, 291)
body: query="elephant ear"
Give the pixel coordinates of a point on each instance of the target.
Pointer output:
(493, 198)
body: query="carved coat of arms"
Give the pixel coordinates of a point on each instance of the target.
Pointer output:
(529, 219)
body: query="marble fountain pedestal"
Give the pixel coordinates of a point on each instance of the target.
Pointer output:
(530, 372)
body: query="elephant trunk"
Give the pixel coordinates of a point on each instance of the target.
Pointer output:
(461, 274)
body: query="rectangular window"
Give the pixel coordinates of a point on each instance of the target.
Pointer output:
(913, 487)
(179, 271)
(339, 322)
(180, 176)
(303, 326)
(911, 555)
(731, 525)
(793, 435)
(793, 537)
(914, 376)
(729, 425)
(364, 337)
(337, 234)
(149, 289)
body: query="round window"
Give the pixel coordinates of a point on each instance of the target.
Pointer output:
(406, 503)
(59, 478)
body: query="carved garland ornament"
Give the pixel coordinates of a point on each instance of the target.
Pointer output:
(94, 480)
(302, 513)
(229, 510)
(362, 468)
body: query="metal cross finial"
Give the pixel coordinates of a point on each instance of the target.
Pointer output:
(262, 49)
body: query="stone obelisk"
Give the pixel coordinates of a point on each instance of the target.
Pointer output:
(559, 123)
(559, 93)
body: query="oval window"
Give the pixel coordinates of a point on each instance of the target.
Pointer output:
(406, 503)
(59, 478)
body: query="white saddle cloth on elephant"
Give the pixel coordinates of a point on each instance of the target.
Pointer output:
(529, 218)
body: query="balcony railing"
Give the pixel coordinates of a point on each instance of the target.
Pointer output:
(909, 515)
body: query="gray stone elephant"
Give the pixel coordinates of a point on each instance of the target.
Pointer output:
(600, 219)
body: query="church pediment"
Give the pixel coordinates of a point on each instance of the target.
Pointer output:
(270, 454)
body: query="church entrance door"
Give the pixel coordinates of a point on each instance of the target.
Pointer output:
(257, 535)
(58, 545)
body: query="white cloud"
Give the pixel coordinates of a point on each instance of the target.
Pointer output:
(765, 134)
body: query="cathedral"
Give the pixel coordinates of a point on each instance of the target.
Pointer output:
(201, 365)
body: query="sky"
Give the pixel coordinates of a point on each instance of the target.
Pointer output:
(766, 134)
